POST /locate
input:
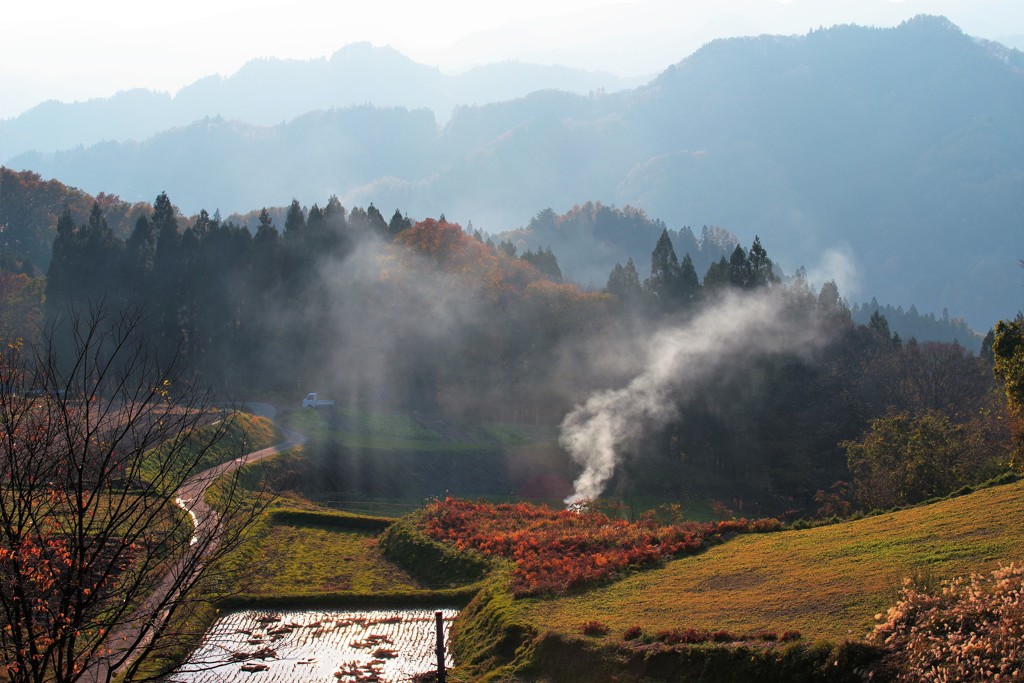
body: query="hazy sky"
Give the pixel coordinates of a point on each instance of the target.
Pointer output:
(69, 49)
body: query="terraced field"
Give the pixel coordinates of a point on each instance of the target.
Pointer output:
(278, 647)
(827, 582)
(300, 559)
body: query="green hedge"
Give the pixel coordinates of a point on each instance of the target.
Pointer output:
(571, 659)
(490, 640)
(432, 563)
(453, 597)
(329, 519)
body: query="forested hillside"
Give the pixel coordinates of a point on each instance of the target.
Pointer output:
(911, 323)
(388, 314)
(876, 144)
(296, 356)
(29, 207)
(588, 237)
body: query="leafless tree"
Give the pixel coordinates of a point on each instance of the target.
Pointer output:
(96, 559)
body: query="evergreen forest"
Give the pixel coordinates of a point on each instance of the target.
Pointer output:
(425, 317)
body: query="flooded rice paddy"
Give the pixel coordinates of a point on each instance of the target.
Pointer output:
(337, 647)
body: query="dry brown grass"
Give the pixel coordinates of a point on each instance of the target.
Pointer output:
(827, 582)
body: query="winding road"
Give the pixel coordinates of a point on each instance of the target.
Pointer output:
(131, 638)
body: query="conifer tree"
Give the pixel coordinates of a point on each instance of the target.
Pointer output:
(761, 267)
(689, 285)
(718, 275)
(60, 278)
(139, 250)
(663, 284)
(740, 272)
(624, 282)
(294, 222)
(164, 295)
(398, 224)
(376, 221)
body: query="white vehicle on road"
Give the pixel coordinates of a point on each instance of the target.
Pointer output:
(311, 401)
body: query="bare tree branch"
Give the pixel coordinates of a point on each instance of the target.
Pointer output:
(99, 439)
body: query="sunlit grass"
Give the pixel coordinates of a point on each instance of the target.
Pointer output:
(826, 582)
(296, 559)
(396, 432)
(241, 433)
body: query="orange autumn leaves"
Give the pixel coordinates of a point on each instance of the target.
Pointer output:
(454, 251)
(556, 550)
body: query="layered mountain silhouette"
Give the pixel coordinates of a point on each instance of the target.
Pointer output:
(270, 91)
(902, 149)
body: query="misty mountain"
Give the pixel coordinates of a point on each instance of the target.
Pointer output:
(898, 153)
(911, 324)
(269, 91)
(613, 235)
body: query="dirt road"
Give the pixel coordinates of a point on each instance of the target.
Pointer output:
(134, 637)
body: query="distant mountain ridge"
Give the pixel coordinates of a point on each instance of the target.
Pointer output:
(270, 91)
(902, 149)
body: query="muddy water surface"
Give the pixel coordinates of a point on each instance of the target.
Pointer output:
(335, 647)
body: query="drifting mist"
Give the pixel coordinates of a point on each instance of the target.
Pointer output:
(680, 358)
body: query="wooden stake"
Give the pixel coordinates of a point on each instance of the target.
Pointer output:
(438, 619)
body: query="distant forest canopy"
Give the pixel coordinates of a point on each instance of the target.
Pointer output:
(581, 239)
(902, 145)
(591, 235)
(30, 205)
(912, 324)
(390, 314)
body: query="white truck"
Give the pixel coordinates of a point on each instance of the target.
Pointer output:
(311, 401)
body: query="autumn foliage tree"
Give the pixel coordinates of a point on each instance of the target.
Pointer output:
(1008, 361)
(96, 560)
(904, 459)
(968, 629)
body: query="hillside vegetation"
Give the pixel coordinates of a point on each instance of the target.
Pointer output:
(786, 606)
(827, 582)
(901, 146)
(440, 346)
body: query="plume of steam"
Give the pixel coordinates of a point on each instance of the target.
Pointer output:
(839, 265)
(679, 358)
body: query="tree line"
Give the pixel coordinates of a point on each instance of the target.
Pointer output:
(423, 316)
(871, 420)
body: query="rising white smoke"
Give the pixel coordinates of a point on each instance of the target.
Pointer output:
(678, 358)
(838, 264)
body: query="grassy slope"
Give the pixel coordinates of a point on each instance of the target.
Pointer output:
(396, 432)
(300, 555)
(300, 559)
(827, 582)
(242, 433)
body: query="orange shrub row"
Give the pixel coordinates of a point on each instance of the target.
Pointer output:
(556, 550)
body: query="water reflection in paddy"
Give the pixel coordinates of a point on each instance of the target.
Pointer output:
(287, 647)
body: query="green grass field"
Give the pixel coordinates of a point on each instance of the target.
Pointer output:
(396, 432)
(311, 558)
(826, 582)
(381, 457)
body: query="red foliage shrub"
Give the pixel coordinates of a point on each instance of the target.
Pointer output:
(678, 636)
(554, 550)
(723, 637)
(768, 524)
(594, 628)
(739, 526)
(633, 633)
